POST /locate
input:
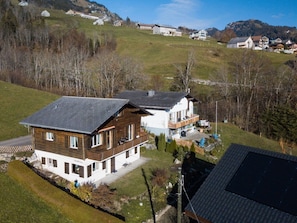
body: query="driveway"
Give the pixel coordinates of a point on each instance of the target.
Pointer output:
(20, 141)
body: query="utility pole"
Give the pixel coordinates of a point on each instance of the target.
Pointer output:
(179, 195)
(216, 118)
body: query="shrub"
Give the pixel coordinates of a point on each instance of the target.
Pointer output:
(161, 143)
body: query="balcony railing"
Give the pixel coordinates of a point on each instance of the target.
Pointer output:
(191, 120)
(104, 154)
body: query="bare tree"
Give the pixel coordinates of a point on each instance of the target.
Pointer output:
(184, 74)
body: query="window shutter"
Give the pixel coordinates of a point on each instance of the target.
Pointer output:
(66, 165)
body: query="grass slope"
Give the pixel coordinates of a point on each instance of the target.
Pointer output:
(16, 104)
(157, 53)
(54, 199)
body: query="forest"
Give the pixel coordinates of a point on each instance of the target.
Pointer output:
(249, 91)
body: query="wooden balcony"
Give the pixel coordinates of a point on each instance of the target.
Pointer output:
(191, 120)
(104, 154)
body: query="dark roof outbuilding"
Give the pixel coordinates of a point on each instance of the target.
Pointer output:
(248, 185)
(154, 99)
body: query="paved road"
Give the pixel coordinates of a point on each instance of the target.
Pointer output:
(20, 141)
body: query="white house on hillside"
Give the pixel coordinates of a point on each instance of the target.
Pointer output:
(241, 42)
(166, 30)
(173, 112)
(199, 35)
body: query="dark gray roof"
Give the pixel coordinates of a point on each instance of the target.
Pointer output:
(76, 114)
(215, 202)
(237, 40)
(153, 99)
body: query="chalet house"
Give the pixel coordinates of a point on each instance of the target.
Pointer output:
(85, 139)
(199, 35)
(260, 42)
(172, 112)
(166, 30)
(248, 185)
(145, 26)
(241, 42)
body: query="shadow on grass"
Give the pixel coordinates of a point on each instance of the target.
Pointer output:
(195, 171)
(150, 195)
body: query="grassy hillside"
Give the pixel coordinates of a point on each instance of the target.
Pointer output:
(157, 53)
(16, 104)
(43, 201)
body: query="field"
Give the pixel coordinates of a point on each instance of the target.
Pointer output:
(156, 53)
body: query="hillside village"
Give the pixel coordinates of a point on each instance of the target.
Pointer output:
(82, 144)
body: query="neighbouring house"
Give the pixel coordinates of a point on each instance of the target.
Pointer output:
(70, 12)
(241, 42)
(84, 139)
(117, 23)
(99, 22)
(166, 30)
(172, 112)
(144, 26)
(88, 16)
(199, 35)
(45, 13)
(248, 185)
(23, 3)
(260, 42)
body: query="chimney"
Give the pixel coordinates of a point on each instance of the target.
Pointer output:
(151, 93)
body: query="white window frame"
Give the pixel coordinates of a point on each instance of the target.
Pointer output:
(49, 136)
(73, 142)
(95, 166)
(97, 140)
(108, 139)
(130, 131)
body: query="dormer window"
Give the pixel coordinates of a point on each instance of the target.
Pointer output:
(49, 136)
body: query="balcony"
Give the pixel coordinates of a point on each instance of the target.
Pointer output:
(191, 120)
(104, 154)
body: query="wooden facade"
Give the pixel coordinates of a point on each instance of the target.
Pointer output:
(118, 134)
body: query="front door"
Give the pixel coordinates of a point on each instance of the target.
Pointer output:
(113, 164)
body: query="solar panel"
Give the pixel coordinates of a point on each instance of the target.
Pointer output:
(268, 180)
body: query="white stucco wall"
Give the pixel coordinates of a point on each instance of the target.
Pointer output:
(98, 174)
(158, 122)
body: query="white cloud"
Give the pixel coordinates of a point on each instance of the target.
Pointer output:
(181, 13)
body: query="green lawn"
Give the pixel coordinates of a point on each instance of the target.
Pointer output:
(19, 205)
(25, 194)
(16, 104)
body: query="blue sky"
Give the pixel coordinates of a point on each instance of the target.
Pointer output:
(199, 14)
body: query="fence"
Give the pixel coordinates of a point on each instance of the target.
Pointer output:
(15, 149)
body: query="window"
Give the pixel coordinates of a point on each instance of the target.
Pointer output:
(130, 132)
(95, 166)
(49, 136)
(78, 170)
(103, 165)
(73, 142)
(66, 168)
(97, 140)
(127, 154)
(55, 163)
(43, 160)
(108, 139)
(135, 150)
